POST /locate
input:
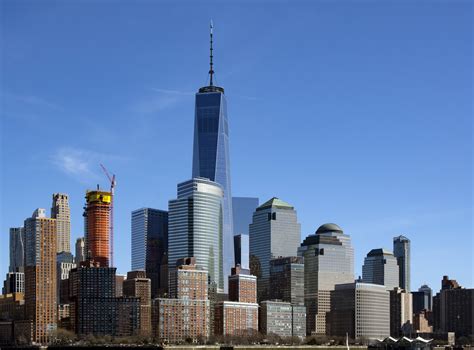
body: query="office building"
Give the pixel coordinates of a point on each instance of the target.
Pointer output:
(362, 310)
(150, 246)
(12, 307)
(195, 227)
(40, 274)
(61, 212)
(186, 314)
(17, 249)
(80, 251)
(242, 250)
(211, 156)
(138, 285)
(422, 299)
(243, 209)
(287, 279)
(97, 226)
(380, 267)
(282, 318)
(452, 309)
(328, 260)
(14, 283)
(401, 251)
(274, 232)
(64, 264)
(401, 313)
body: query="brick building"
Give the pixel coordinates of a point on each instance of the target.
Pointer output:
(137, 285)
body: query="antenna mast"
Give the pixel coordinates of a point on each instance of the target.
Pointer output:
(211, 70)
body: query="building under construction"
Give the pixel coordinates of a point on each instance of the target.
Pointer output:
(97, 224)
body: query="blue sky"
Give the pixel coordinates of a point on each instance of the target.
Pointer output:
(355, 112)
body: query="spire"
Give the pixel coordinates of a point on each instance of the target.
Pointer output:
(211, 70)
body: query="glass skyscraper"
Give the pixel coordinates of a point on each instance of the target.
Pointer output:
(380, 267)
(243, 209)
(211, 154)
(150, 246)
(195, 227)
(401, 250)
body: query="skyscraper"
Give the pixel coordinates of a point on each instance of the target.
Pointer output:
(287, 279)
(328, 260)
(243, 209)
(380, 267)
(40, 274)
(97, 226)
(211, 158)
(423, 299)
(150, 245)
(241, 250)
(274, 232)
(80, 250)
(401, 251)
(195, 227)
(61, 212)
(137, 285)
(401, 312)
(17, 249)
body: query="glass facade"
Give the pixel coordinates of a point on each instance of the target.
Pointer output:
(401, 250)
(17, 249)
(196, 227)
(380, 267)
(243, 208)
(150, 245)
(211, 156)
(241, 250)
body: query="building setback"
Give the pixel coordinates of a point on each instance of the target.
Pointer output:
(61, 212)
(274, 232)
(97, 226)
(381, 267)
(40, 275)
(150, 247)
(186, 314)
(360, 309)
(137, 285)
(328, 260)
(401, 313)
(401, 251)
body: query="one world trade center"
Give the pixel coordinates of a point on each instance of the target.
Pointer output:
(211, 154)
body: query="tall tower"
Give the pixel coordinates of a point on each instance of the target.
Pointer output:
(380, 267)
(40, 274)
(401, 250)
(61, 212)
(97, 226)
(211, 151)
(17, 249)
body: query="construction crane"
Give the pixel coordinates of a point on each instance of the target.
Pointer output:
(112, 188)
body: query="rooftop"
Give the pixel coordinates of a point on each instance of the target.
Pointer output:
(275, 203)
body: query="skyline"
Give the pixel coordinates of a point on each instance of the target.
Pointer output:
(372, 212)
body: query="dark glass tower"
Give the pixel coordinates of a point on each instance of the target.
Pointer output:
(211, 154)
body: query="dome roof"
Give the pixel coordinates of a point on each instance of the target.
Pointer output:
(329, 228)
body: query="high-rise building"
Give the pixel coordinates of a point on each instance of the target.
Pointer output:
(61, 212)
(186, 314)
(119, 280)
(452, 309)
(239, 315)
(12, 307)
(195, 227)
(65, 263)
(150, 246)
(274, 232)
(422, 299)
(211, 158)
(17, 249)
(97, 226)
(40, 274)
(328, 260)
(80, 251)
(287, 279)
(138, 285)
(14, 283)
(282, 318)
(401, 251)
(401, 313)
(380, 267)
(242, 250)
(421, 323)
(243, 209)
(361, 310)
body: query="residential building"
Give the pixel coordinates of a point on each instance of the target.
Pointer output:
(422, 299)
(80, 251)
(61, 212)
(150, 246)
(287, 279)
(119, 280)
(274, 232)
(401, 251)
(380, 267)
(12, 307)
(40, 274)
(17, 249)
(195, 227)
(97, 226)
(186, 314)
(421, 322)
(361, 310)
(138, 285)
(401, 313)
(328, 260)
(64, 264)
(242, 250)
(14, 283)
(242, 286)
